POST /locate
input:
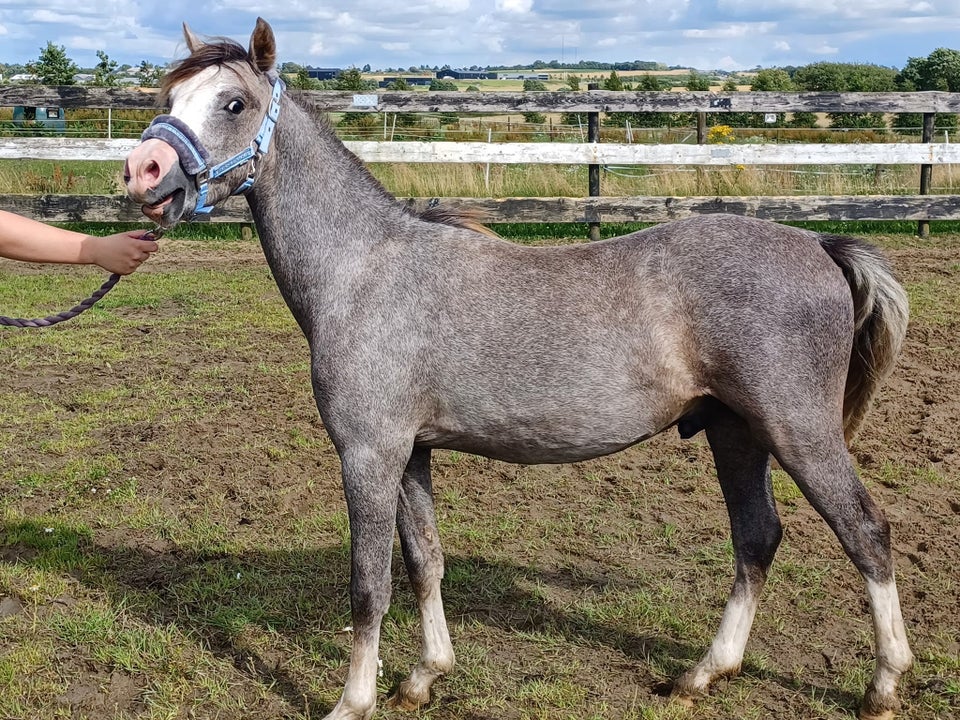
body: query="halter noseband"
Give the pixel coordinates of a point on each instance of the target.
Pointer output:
(194, 157)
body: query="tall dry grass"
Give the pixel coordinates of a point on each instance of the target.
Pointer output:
(471, 180)
(33, 177)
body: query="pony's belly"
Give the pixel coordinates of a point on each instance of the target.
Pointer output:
(517, 445)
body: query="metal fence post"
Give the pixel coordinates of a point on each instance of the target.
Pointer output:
(593, 170)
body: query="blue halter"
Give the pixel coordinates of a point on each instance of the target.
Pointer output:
(194, 157)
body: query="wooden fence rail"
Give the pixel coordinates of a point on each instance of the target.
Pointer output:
(53, 148)
(117, 208)
(925, 154)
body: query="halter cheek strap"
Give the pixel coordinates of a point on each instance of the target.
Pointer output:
(195, 158)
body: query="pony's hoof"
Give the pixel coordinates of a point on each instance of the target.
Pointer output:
(687, 689)
(878, 705)
(883, 715)
(407, 699)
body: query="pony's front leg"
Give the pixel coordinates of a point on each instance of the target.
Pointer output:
(371, 484)
(423, 557)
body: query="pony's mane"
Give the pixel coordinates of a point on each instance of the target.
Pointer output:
(218, 52)
(466, 219)
(221, 51)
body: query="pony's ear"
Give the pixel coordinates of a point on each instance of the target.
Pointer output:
(263, 46)
(194, 43)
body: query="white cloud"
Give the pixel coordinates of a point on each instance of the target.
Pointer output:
(514, 6)
(824, 49)
(728, 63)
(733, 30)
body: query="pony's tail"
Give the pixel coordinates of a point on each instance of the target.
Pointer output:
(881, 313)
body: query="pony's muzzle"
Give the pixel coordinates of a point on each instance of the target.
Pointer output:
(155, 178)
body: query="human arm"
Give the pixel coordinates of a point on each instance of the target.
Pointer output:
(29, 240)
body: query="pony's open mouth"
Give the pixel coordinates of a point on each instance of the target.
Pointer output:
(167, 211)
(159, 205)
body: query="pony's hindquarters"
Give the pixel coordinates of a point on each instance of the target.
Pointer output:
(795, 353)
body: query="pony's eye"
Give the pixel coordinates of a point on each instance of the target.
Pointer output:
(235, 106)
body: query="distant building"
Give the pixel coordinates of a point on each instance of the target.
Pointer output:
(421, 81)
(323, 73)
(449, 74)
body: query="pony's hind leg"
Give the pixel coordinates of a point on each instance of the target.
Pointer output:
(423, 557)
(743, 468)
(823, 471)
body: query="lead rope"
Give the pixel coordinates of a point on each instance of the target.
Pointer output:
(83, 306)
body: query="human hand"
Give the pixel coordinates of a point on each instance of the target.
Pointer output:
(121, 253)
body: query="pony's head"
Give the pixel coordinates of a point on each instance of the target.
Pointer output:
(224, 101)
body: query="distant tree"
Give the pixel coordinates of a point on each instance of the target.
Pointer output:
(803, 120)
(104, 74)
(349, 79)
(940, 70)
(301, 79)
(536, 118)
(729, 85)
(533, 85)
(771, 80)
(148, 74)
(845, 77)
(53, 67)
(697, 82)
(573, 82)
(848, 77)
(366, 68)
(613, 82)
(447, 85)
(399, 83)
(649, 83)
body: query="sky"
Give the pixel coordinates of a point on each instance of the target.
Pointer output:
(711, 35)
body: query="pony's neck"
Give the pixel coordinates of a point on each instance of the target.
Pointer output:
(316, 185)
(317, 211)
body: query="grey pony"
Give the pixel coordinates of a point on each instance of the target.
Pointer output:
(427, 332)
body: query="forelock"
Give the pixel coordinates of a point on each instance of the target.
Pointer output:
(220, 52)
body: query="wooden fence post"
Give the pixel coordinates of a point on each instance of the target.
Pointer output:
(701, 140)
(701, 128)
(926, 171)
(593, 171)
